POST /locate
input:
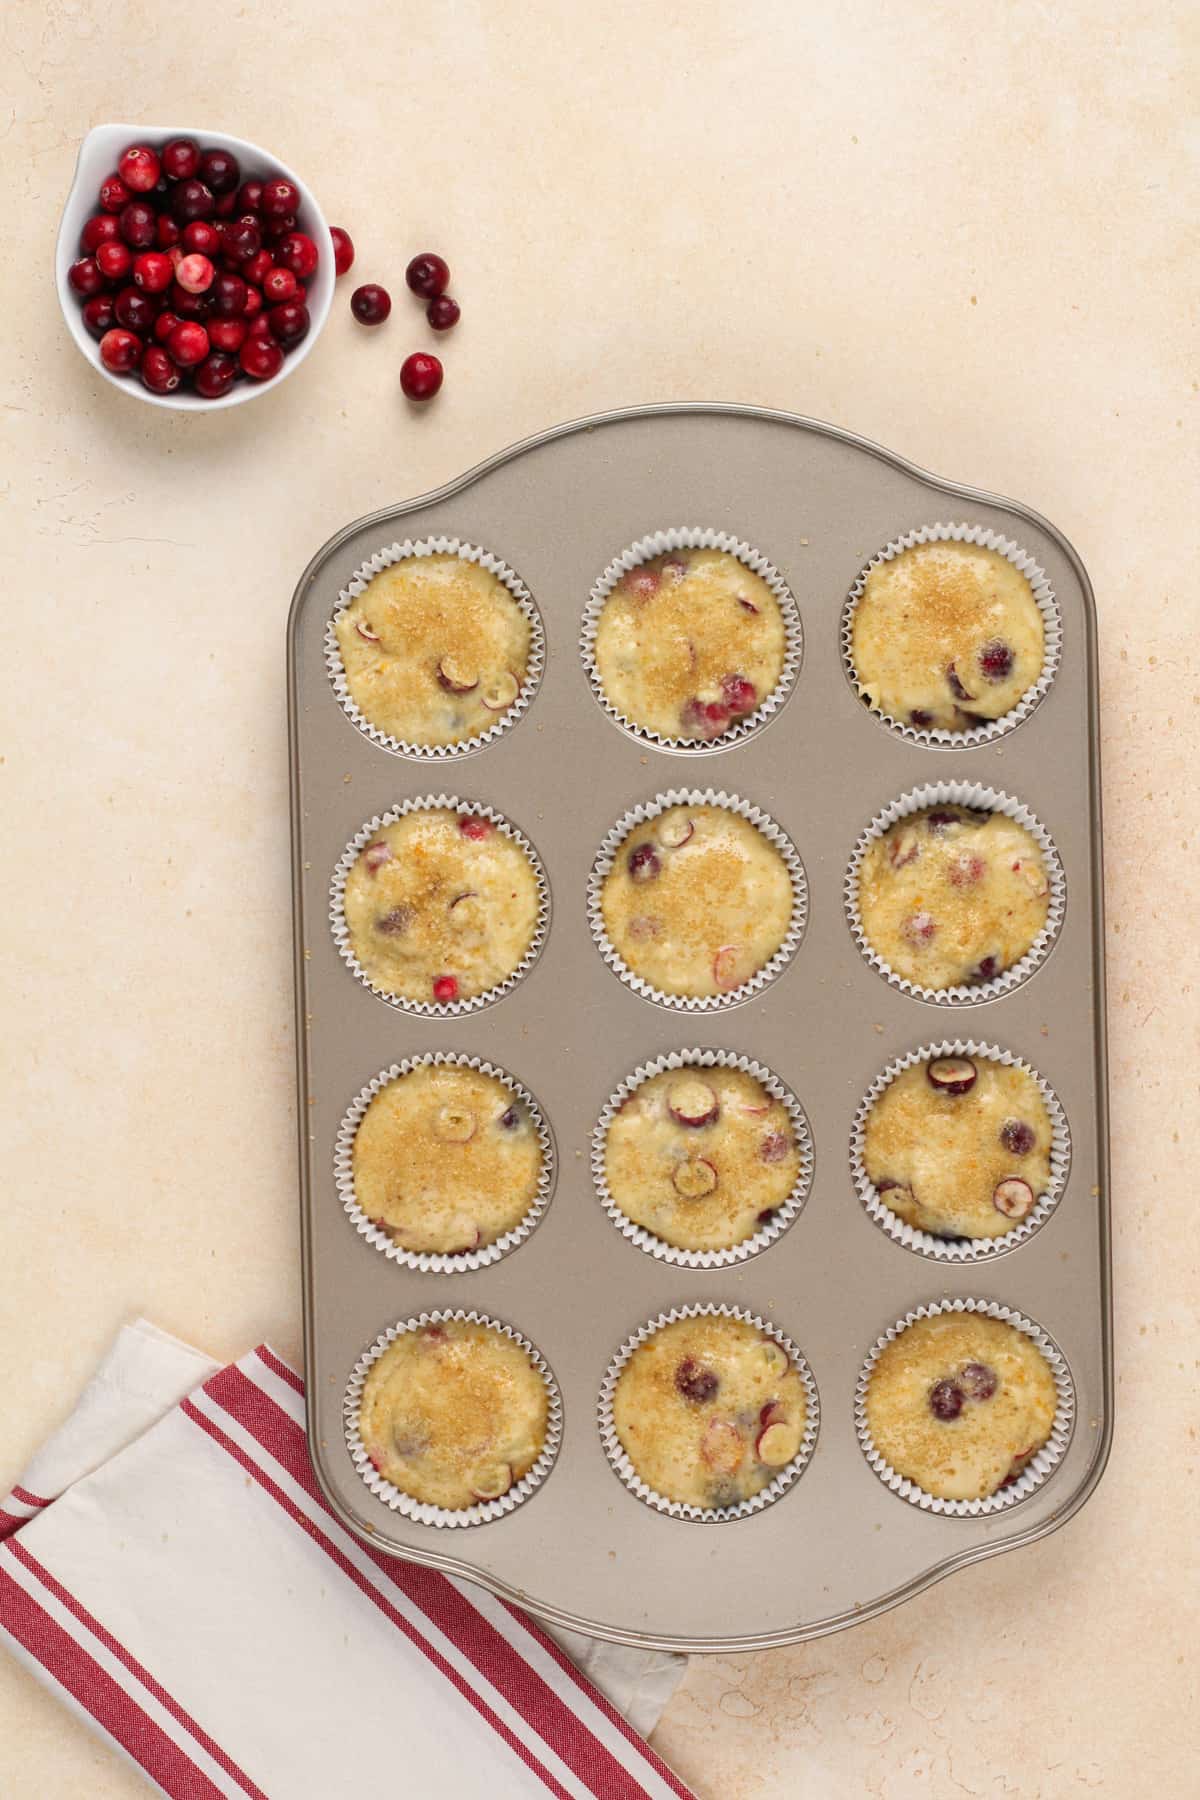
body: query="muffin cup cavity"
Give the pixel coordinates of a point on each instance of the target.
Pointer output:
(1036, 1471)
(683, 1509)
(785, 1215)
(651, 809)
(440, 1262)
(693, 537)
(432, 1009)
(386, 558)
(982, 799)
(926, 1243)
(938, 738)
(484, 1511)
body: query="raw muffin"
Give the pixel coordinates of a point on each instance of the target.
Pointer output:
(435, 649)
(959, 1147)
(453, 1413)
(697, 900)
(690, 643)
(960, 1403)
(948, 896)
(446, 1158)
(441, 906)
(946, 635)
(701, 1157)
(709, 1410)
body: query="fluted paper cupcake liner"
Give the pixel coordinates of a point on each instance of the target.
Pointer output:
(785, 1215)
(650, 809)
(980, 799)
(440, 1262)
(937, 737)
(695, 537)
(483, 1511)
(927, 1243)
(1040, 1466)
(684, 1509)
(435, 546)
(432, 1009)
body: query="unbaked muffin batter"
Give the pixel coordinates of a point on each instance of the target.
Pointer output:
(948, 896)
(441, 906)
(960, 1404)
(946, 635)
(689, 643)
(697, 900)
(453, 1413)
(709, 1410)
(435, 649)
(701, 1157)
(959, 1147)
(446, 1158)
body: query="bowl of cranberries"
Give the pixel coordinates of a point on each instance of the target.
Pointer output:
(194, 270)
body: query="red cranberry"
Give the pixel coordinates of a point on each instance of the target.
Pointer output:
(919, 717)
(370, 304)
(298, 253)
(188, 306)
(180, 159)
(343, 249)
(120, 351)
(102, 228)
(945, 1400)
(215, 376)
(242, 238)
(152, 272)
(644, 863)
(159, 373)
(164, 325)
(289, 322)
(139, 224)
(420, 376)
(192, 200)
(85, 276)
(99, 314)
(443, 313)
(136, 311)
(114, 261)
(996, 660)
(475, 828)
(228, 334)
(257, 267)
(254, 302)
(201, 238)
(695, 1382)
(114, 194)
(166, 232)
(188, 343)
(275, 230)
(229, 296)
(1017, 1136)
(978, 1381)
(195, 274)
(226, 205)
(445, 989)
(139, 168)
(249, 199)
(219, 169)
(428, 275)
(279, 285)
(260, 326)
(261, 358)
(955, 685)
(987, 969)
(952, 1075)
(279, 198)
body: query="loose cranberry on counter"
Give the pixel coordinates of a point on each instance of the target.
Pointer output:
(114, 260)
(343, 249)
(180, 159)
(99, 314)
(139, 168)
(370, 304)
(188, 343)
(120, 350)
(289, 322)
(139, 224)
(420, 376)
(261, 358)
(428, 275)
(215, 376)
(114, 194)
(102, 228)
(158, 372)
(219, 170)
(280, 198)
(227, 334)
(443, 313)
(136, 311)
(153, 272)
(192, 200)
(279, 285)
(298, 253)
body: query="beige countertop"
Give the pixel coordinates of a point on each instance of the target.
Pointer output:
(963, 231)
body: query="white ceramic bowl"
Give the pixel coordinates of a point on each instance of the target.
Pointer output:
(98, 155)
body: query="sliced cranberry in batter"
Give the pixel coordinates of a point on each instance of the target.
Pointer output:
(364, 631)
(966, 870)
(979, 1382)
(695, 1381)
(396, 922)
(674, 833)
(951, 1074)
(996, 660)
(774, 1147)
(740, 695)
(694, 1178)
(693, 1103)
(1018, 1136)
(721, 1447)
(499, 693)
(903, 848)
(1013, 1197)
(375, 855)
(919, 929)
(457, 676)
(643, 863)
(725, 966)
(956, 686)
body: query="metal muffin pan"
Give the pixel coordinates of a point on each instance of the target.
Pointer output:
(837, 1546)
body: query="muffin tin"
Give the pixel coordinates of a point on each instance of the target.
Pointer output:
(584, 1550)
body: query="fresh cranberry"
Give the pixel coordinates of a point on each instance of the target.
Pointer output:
(298, 253)
(289, 322)
(260, 326)
(428, 275)
(229, 296)
(195, 274)
(164, 325)
(227, 334)
(472, 826)
(158, 372)
(261, 358)
(200, 238)
(139, 224)
(102, 228)
(254, 301)
(219, 170)
(343, 249)
(192, 200)
(695, 1382)
(99, 314)
(188, 343)
(256, 268)
(445, 989)
(242, 238)
(370, 304)
(279, 198)
(188, 306)
(249, 199)
(996, 660)
(420, 376)
(120, 351)
(1017, 1136)
(114, 261)
(153, 272)
(978, 1381)
(166, 232)
(114, 194)
(136, 311)
(945, 1400)
(215, 376)
(139, 168)
(180, 159)
(443, 313)
(226, 205)
(644, 863)
(275, 230)
(741, 696)
(279, 285)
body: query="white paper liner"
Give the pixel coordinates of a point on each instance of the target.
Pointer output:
(695, 537)
(785, 1215)
(937, 737)
(961, 1250)
(1039, 1467)
(980, 799)
(483, 1511)
(684, 1509)
(650, 809)
(440, 1262)
(435, 546)
(432, 1009)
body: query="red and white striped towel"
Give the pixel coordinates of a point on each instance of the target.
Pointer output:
(169, 1567)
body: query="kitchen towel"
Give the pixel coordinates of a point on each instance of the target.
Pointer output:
(169, 1568)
